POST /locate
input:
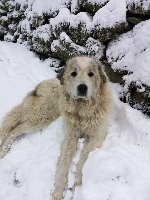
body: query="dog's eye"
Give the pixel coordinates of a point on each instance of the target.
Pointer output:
(90, 74)
(74, 74)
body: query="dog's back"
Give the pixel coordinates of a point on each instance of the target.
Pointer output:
(40, 106)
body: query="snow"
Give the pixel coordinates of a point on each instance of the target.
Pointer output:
(105, 17)
(65, 17)
(22, 70)
(95, 48)
(120, 170)
(131, 52)
(42, 32)
(24, 25)
(43, 7)
(65, 39)
(112, 13)
(58, 14)
(74, 6)
(99, 2)
(9, 37)
(138, 3)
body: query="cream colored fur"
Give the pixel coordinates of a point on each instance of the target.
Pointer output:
(38, 109)
(85, 115)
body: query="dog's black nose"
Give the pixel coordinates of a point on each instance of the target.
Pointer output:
(82, 89)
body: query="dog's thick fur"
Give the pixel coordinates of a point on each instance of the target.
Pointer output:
(83, 98)
(38, 109)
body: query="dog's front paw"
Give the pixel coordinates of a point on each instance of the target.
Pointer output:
(58, 194)
(56, 198)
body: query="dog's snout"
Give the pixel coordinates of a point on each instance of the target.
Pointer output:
(82, 89)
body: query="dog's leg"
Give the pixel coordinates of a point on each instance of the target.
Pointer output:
(6, 143)
(67, 152)
(90, 145)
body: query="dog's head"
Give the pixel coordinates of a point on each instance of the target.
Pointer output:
(82, 77)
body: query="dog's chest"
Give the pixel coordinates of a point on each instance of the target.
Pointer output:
(82, 125)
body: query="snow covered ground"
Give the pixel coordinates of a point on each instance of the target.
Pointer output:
(120, 170)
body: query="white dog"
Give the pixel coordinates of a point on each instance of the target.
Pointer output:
(83, 97)
(85, 103)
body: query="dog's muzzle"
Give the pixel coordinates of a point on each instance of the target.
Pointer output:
(82, 90)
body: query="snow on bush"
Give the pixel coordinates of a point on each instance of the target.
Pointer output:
(66, 48)
(95, 48)
(138, 6)
(131, 52)
(46, 7)
(93, 6)
(73, 24)
(112, 13)
(100, 2)
(42, 39)
(62, 16)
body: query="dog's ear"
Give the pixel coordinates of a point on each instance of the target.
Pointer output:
(60, 74)
(103, 75)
